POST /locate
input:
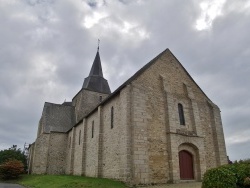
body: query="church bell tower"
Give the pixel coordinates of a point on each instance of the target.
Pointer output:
(95, 81)
(94, 90)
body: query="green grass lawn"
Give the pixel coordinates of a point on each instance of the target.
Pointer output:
(54, 181)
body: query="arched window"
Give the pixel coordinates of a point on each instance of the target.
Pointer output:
(93, 129)
(181, 114)
(79, 137)
(112, 117)
(100, 98)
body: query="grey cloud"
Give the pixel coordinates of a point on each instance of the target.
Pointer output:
(218, 58)
(238, 151)
(92, 4)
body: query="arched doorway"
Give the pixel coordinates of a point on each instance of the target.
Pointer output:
(186, 165)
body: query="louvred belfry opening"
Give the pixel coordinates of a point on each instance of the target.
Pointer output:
(186, 165)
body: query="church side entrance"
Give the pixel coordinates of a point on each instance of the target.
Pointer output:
(186, 165)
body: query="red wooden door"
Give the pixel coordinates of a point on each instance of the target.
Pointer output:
(186, 165)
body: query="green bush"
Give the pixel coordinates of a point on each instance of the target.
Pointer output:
(241, 171)
(219, 178)
(11, 169)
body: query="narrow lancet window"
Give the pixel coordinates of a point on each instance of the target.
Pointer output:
(93, 129)
(79, 137)
(181, 114)
(112, 117)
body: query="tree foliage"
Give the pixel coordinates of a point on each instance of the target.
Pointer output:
(13, 153)
(11, 169)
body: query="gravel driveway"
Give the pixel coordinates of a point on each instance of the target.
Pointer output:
(9, 185)
(179, 185)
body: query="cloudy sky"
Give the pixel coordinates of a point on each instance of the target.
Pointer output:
(48, 46)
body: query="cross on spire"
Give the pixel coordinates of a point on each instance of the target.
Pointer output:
(98, 45)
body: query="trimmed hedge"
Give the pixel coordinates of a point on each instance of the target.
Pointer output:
(228, 176)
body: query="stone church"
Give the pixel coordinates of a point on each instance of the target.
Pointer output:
(157, 127)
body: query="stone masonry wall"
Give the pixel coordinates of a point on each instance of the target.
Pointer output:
(206, 122)
(115, 139)
(92, 145)
(70, 151)
(111, 141)
(126, 138)
(40, 127)
(85, 101)
(220, 136)
(141, 141)
(157, 130)
(106, 154)
(78, 149)
(40, 157)
(57, 153)
(31, 158)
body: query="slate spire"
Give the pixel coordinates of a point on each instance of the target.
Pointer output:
(95, 81)
(96, 69)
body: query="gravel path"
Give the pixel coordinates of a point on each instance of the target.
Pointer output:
(179, 185)
(9, 185)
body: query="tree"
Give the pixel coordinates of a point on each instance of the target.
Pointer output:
(13, 153)
(11, 169)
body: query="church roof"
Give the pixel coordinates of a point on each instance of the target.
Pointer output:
(95, 81)
(139, 72)
(132, 78)
(145, 67)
